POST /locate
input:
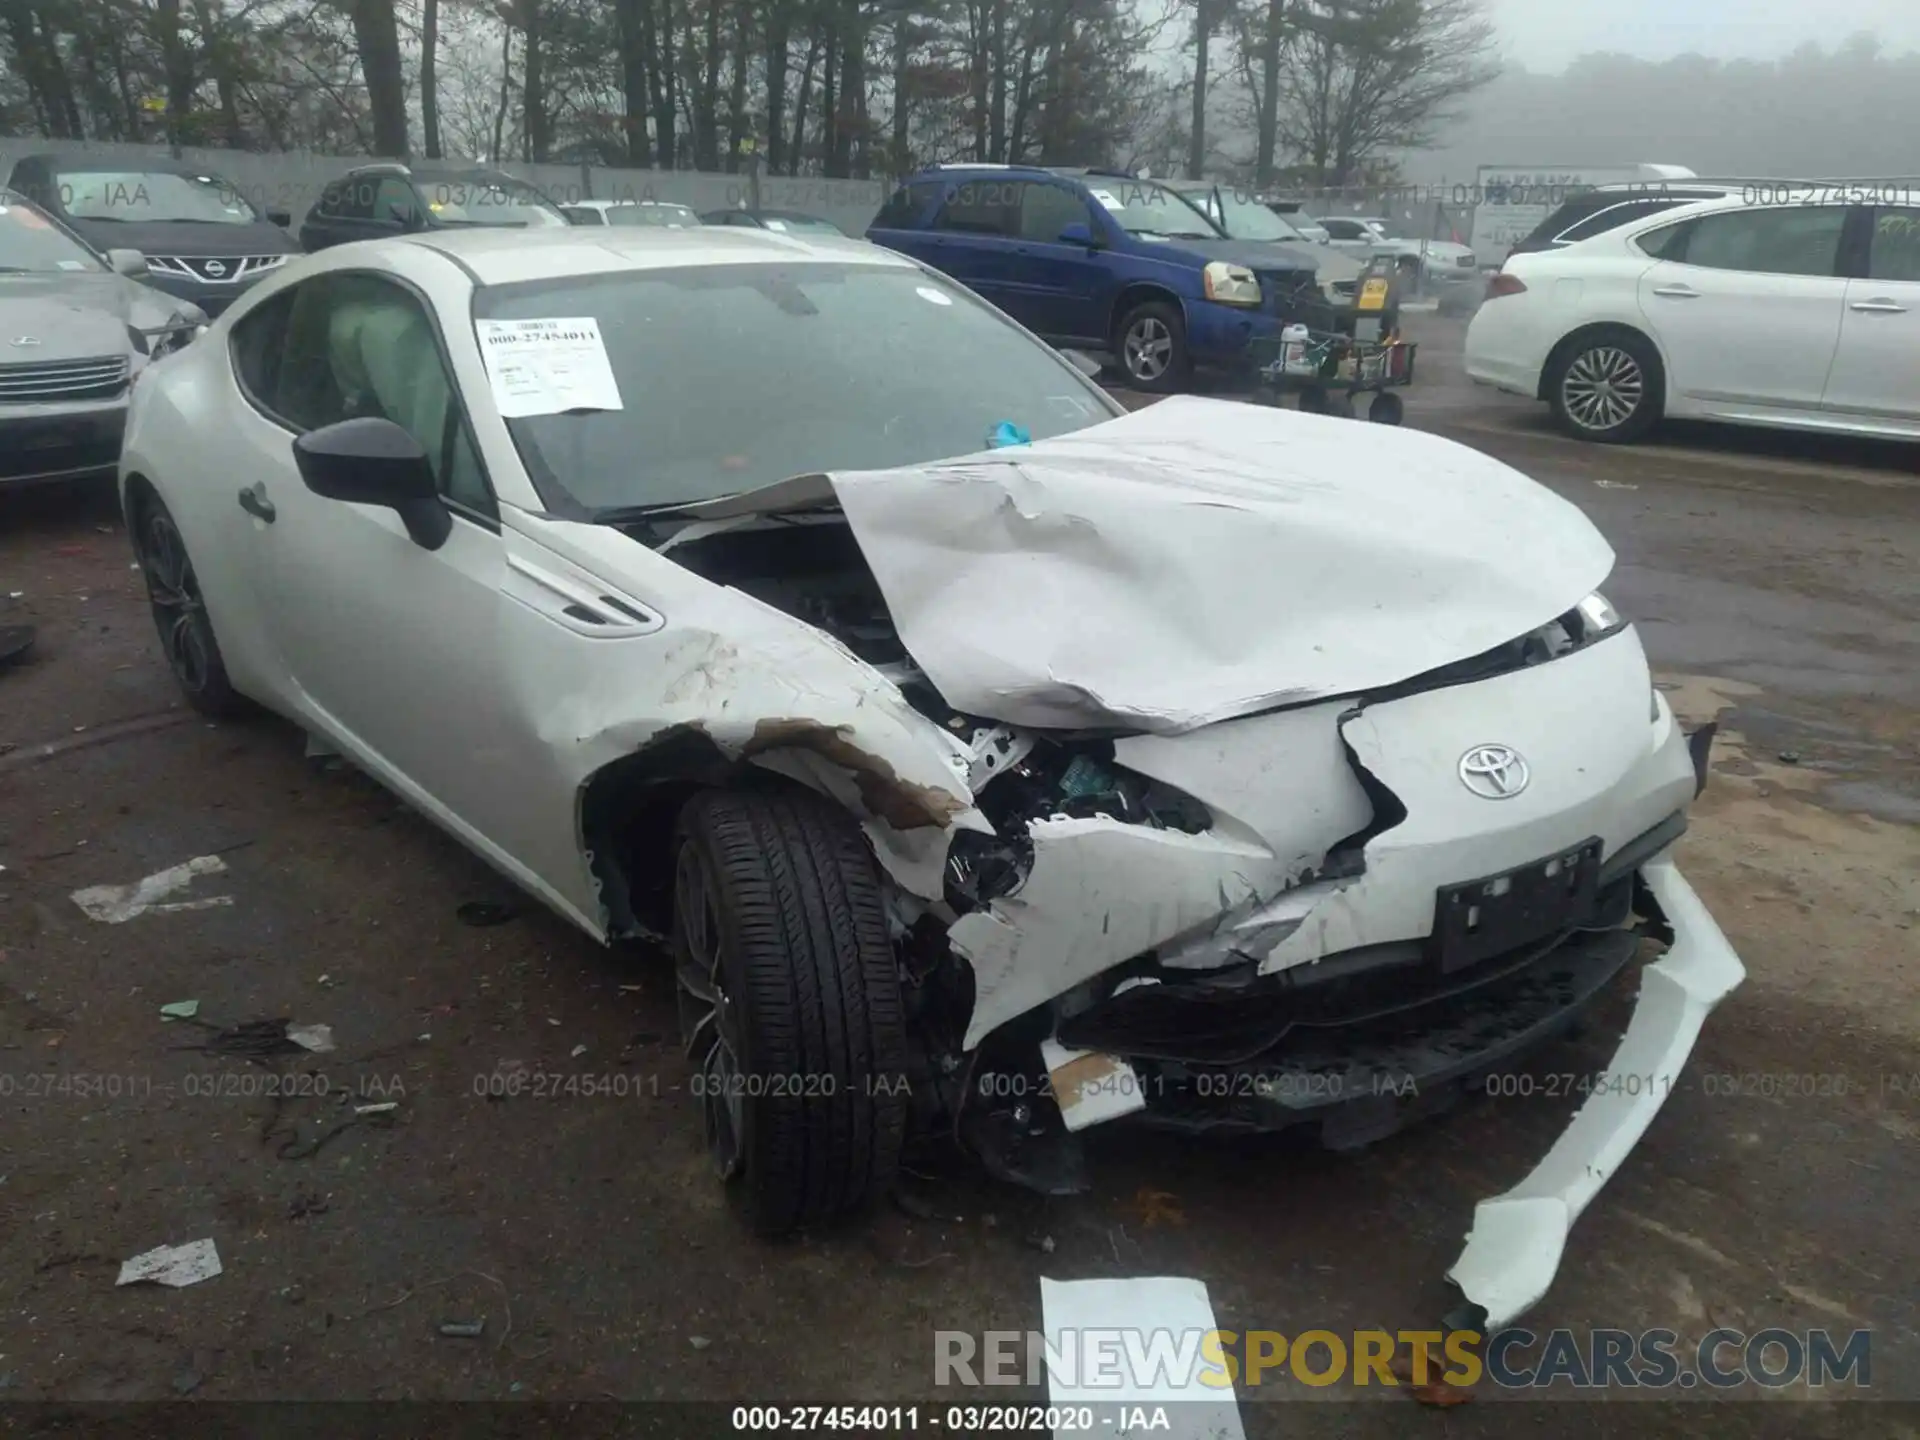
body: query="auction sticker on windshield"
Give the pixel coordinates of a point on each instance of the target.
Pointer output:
(547, 367)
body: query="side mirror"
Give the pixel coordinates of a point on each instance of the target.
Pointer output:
(375, 462)
(282, 218)
(130, 263)
(1079, 233)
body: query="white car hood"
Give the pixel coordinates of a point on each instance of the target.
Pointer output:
(1202, 559)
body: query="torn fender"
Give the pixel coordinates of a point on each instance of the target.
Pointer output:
(1514, 1248)
(1100, 891)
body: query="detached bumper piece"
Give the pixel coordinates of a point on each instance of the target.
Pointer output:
(1514, 1248)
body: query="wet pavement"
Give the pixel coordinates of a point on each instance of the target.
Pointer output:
(1777, 586)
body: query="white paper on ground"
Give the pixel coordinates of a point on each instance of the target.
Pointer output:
(1117, 1321)
(545, 367)
(174, 1265)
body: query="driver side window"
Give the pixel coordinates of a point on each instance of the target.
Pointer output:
(362, 346)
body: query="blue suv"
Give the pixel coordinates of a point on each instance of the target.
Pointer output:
(1102, 260)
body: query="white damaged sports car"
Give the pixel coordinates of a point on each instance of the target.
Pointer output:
(998, 762)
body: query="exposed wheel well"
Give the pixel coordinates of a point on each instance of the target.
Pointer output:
(1587, 333)
(627, 815)
(1136, 294)
(135, 489)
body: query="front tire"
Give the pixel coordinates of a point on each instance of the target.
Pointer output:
(180, 612)
(790, 1004)
(1152, 346)
(1607, 387)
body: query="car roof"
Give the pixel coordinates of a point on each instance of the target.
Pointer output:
(144, 165)
(622, 204)
(502, 256)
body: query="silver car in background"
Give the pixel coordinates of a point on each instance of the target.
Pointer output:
(76, 330)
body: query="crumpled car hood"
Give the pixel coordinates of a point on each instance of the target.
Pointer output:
(1203, 559)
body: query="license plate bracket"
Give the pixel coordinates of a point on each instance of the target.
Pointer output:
(1479, 919)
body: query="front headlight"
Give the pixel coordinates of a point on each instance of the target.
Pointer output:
(1230, 284)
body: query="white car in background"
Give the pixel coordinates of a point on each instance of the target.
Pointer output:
(780, 650)
(1790, 306)
(661, 214)
(1367, 236)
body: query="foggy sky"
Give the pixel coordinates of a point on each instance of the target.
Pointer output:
(1548, 34)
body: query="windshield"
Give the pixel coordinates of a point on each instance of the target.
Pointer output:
(1386, 229)
(1246, 219)
(731, 377)
(488, 202)
(673, 216)
(1143, 208)
(152, 196)
(32, 244)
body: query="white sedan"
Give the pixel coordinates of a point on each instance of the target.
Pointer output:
(999, 763)
(1769, 305)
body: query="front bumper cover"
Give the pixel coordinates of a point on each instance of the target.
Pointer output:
(1514, 1247)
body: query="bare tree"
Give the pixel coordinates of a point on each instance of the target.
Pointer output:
(1365, 76)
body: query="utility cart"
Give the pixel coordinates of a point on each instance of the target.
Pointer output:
(1330, 368)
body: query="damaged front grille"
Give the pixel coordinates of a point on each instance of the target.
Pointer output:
(1236, 1016)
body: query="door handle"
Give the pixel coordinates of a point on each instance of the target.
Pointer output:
(1676, 292)
(1878, 307)
(253, 500)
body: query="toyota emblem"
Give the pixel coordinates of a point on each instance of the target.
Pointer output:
(216, 268)
(1494, 772)
(25, 340)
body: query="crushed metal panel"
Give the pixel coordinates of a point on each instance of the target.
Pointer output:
(1246, 557)
(1514, 1248)
(1100, 891)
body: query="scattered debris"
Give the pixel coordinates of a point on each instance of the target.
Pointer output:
(1789, 757)
(920, 1208)
(382, 1107)
(1615, 485)
(1043, 1243)
(463, 1329)
(1433, 1391)
(631, 989)
(317, 1038)
(180, 1010)
(1158, 1207)
(486, 912)
(186, 1382)
(578, 1051)
(293, 1294)
(253, 1040)
(173, 1265)
(699, 1342)
(304, 1204)
(117, 904)
(15, 641)
(1089, 1087)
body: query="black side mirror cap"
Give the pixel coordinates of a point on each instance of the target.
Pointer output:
(375, 462)
(282, 218)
